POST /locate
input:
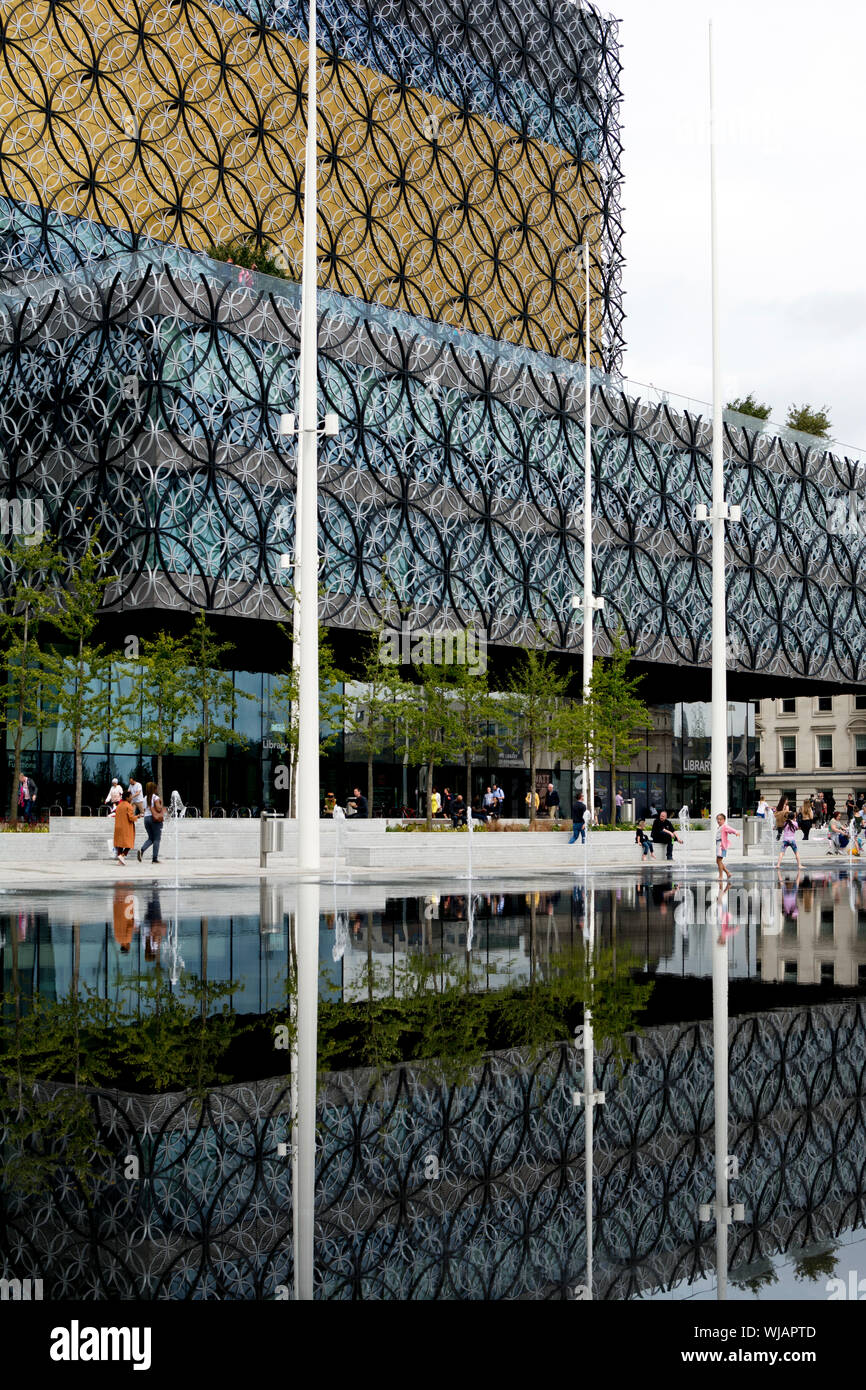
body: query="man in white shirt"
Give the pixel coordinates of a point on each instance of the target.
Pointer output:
(135, 791)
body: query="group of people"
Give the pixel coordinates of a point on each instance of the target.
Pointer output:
(848, 837)
(127, 808)
(357, 804)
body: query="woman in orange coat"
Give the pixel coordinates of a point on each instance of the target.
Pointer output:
(124, 827)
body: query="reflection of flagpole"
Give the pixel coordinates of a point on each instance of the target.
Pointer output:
(589, 1097)
(719, 1210)
(304, 1136)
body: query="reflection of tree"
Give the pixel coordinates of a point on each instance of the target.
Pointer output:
(755, 1277)
(818, 1264)
(55, 1056)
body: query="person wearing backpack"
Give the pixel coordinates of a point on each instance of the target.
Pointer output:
(154, 815)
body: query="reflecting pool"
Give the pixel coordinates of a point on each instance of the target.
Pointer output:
(630, 1087)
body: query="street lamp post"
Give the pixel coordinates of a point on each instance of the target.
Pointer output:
(305, 636)
(718, 513)
(587, 601)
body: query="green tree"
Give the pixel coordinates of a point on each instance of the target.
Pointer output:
(615, 713)
(79, 680)
(475, 708)
(432, 717)
(215, 697)
(284, 702)
(809, 421)
(534, 707)
(27, 601)
(251, 256)
(167, 697)
(747, 405)
(368, 712)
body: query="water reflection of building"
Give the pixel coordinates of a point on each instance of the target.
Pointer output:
(471, 1190)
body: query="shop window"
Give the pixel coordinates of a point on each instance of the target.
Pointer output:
(825, 750)
(789, 751)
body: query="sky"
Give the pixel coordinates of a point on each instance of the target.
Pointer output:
(791, 160)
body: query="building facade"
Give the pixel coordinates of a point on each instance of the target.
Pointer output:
(811, 743)
(464, 161)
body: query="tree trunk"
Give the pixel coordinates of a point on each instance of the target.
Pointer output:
(613, 782)
(159, 775)
(79, 774)
(370, 785)
(430, 795)
(532, 767)
(19, 726)
(205, 779)
(19, 739)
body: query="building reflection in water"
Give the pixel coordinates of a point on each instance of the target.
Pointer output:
(487, 1184)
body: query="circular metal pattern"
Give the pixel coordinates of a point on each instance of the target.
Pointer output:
(465, 150)
(142, 395)
(431, 1190)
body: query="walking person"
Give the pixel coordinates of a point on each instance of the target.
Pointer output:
(806, 818)
(789, 839)
(115, 792)
(136, 794)
(619, 802)
(723, 837)
(124, 827)
(154, 816)
(578, 829)
(551, 801)
(762, 810)
(27, 797)
(500, 797)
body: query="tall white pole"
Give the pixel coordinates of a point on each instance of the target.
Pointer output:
(588, 772)
(719, 740)
(307, 520)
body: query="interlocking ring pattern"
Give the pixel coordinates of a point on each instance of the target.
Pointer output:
(465, 150)
(500, 1212)
(143, 393)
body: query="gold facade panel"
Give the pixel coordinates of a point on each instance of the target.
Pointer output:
(186, 123)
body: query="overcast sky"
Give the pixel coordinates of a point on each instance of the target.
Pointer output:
(791, 117)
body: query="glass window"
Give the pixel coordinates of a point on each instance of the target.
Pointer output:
(789, 706)
(789, 751)
(790, 972)
(828, 972)
(860, 701)
(861, 975)
(860, 750)
(825, 750)
(825, 704)
(826, 928)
